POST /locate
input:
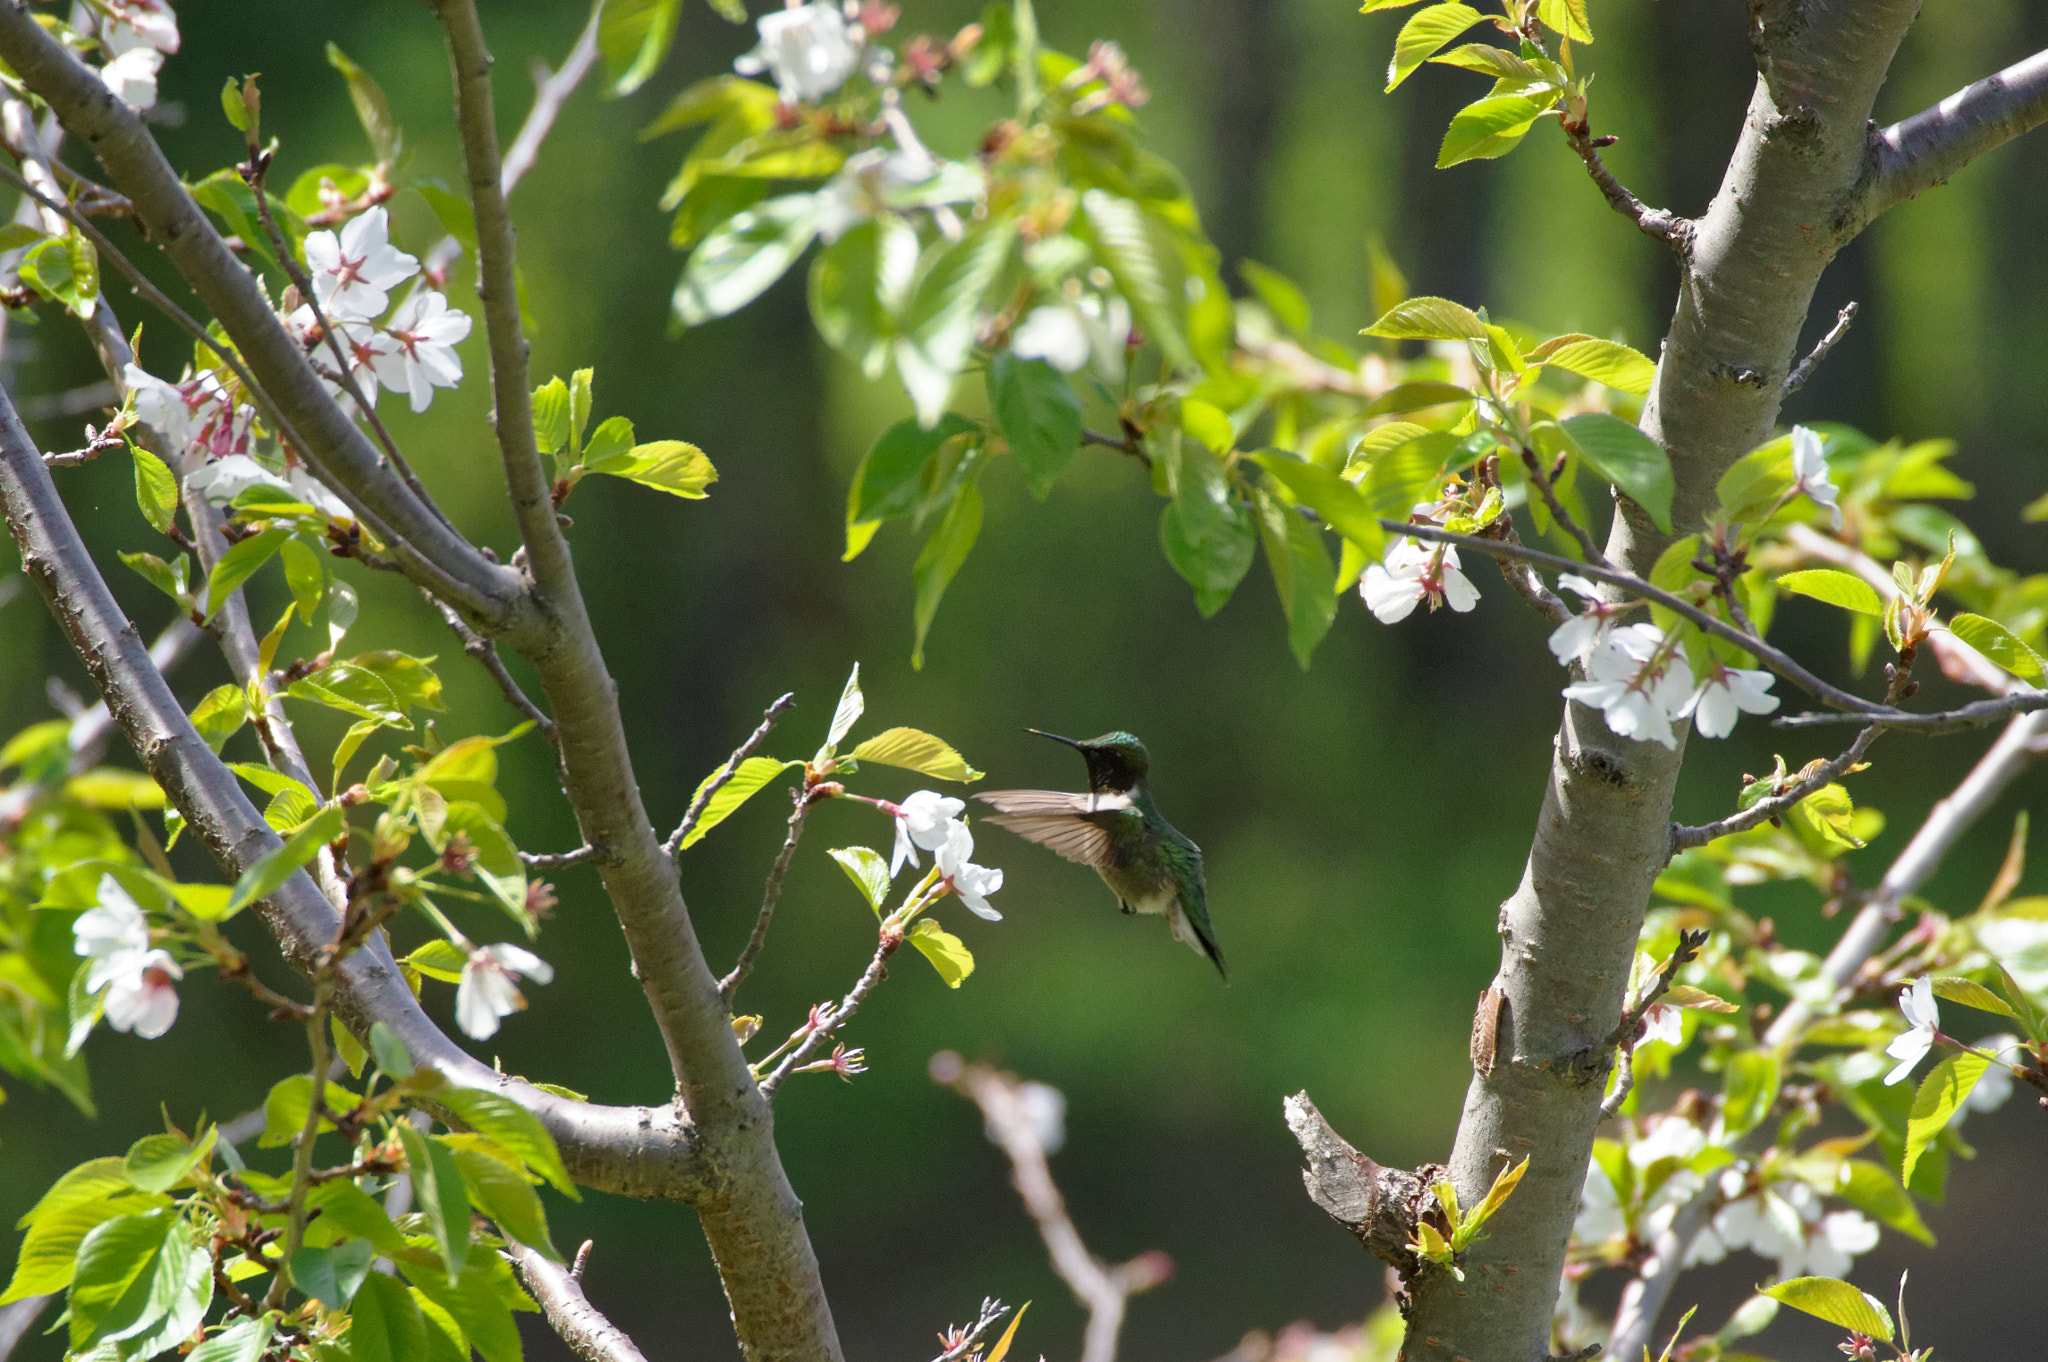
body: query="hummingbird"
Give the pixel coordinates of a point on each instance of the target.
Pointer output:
(1116, 828)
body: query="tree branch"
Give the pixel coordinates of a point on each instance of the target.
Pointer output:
(771, 895)
(486, 654)
(327, 437)
(712, 785)
(1914, 155)
(1796, 380)
(1103, 1290)
(549, 95)
(1657, 223)
(559, 1292)
(1764, 810)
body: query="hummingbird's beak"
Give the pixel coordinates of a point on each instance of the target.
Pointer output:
(1054, 736)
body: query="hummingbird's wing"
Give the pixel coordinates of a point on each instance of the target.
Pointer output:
(1074, 825)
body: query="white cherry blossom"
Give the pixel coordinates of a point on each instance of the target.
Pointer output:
(352, 270)
(1810, 471)
(1923, 1015)
(114, 929)
(132, 76)
(1665, 1023)
(1725, 694)
(1072, 334)
(1412, 573)
(420, 356)
(1674, 1137)
(139, 23)
(1638, 683)
(973, 883)
(926, 819)
(143, 997)
(1574, 640)
(1600, 1215)
(810, 50)
(489, 988)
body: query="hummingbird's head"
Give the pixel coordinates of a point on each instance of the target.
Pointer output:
(1117, 762)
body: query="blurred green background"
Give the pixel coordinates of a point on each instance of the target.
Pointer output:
(1362, 820)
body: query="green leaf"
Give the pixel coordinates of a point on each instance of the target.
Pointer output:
(1565, 16)
(274, 867)
(502, 1192)
(916, 751)
(333, 1275)
(345, 1207)
(949, 956)
(439, 1191)
(1206, 531)
(1751, 1090)
(1497, 62)
(1636, 464)
(1281, 295)
(1116, 232)
(1825, 821)
(288, 1105)
(1871, 1188)
(476, 1304)
(304, 574)
(239, 563)
(1836, 588)
(634, 35)
(385, 1323)
(579, 405)
(868, 871)
(512, 1128)
(65, 269)
(118, 1287)
(497, 858)
(156, 1163)
(852, 704)
(1603, 361)
(1428, 318)
(747, 780)
(747, 253)
(856, 286)
(1342, 507)
(168, 578)
(373, 109)
(390, 1052)
(940, 559)
(1303, 575)
(1757, 479)
(84, 1198)
(183, 1287)
(551, 416)
(1970, 993)
(673, 466)
(939, 320)
(1941, 1095)
(888, 479)
(1038, 413)
(156, 491)
(1489, 128)
(1837, 1302)
(1426, 31)
(1996, 642)
(1206, 423)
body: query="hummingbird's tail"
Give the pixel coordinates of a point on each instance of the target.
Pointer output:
(1186, 927)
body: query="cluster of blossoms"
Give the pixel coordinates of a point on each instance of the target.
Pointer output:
(812, 50)
(136, 36)
(489, 989)
(932, 821)
(140, 980)
(353, 272)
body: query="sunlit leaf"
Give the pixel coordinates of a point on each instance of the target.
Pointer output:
(949, 956)
(1836, 588)
(1837, 1302)
(747, 780)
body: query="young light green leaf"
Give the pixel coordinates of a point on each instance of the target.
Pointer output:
(940, 559)
(1636, 464)
(1281, 295)
(390, 1052)
(332, 1275)
(634, 35)
(156, 1163)
(84, 1198)
(1404, 397)
(1940, 1096)
(1871, 1188)
(1970, 993)
(1428, 318)
(1303, 575)
(512, 1128)
(1002, 1348)
(673, 466)
(949, 956)
(439, 1192)
(1837, 1302)
(1116, 231)
(1996, 642)
(1565, 16)
(939, 319)
(852, 704)
(290, 1102)
(273, 868)
(916, 751)
(239, 563)
(747, 780)
(441, 960)
(122, 1267)
(1488, 128)
(1038, 413)
(156, 491)
(551, 416)
(304, 574)
(245, 1341)
(736, 263)
(168, 578)
(868, 871)
(1603, 361)
(502, 1192)
(1426, 31)
(385, 1325)
(1504, 1184)
(1685, 995)
(1751, 1088)
(373, 108)
(1497, 62)
(1342, 507)
(1836, 588)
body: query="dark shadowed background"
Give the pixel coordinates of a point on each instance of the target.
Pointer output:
(1362, 820)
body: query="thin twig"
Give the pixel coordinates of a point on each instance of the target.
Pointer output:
(1766, 810)
(1667, 227)
(486, 654)
(1771, 657)
(1128, 444)
(960, 1342)
(831, 1020)
(673, 846)
(1103, 1290)
(17, 1318)
(549, 96)
(771, 895)
(1626, 1034)
(1541, 478)
(302, 1158)
(559, 1292)
(559, 860)
(1796, 380)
